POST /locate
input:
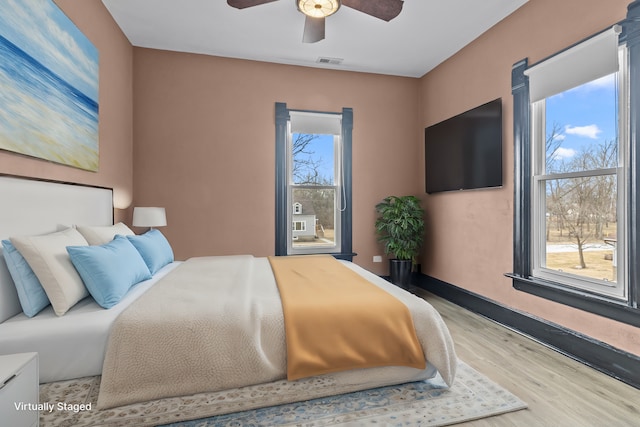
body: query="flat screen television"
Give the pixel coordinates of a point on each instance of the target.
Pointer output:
(465, 151)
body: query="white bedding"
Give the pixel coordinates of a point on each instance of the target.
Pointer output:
(217, 323)
(73, 345)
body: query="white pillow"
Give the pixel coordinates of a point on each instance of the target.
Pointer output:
(48, 258)
(100, 235)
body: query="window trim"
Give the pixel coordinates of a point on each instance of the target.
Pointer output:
(522, 278)
(282, 225)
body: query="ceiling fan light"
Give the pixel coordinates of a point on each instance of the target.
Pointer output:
(318, 8)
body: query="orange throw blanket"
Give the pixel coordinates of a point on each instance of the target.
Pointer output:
(336, 320)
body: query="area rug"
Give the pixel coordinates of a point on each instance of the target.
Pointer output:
(423, 403)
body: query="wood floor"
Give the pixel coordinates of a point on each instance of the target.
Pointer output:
(558, 390)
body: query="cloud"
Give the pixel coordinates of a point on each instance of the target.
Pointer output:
(564, 153)
(590, 131)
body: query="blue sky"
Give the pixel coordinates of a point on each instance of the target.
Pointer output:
(42, 30)
(585, 115)
(322, 146)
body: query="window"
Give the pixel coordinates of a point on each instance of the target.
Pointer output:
(575, 216)
(313, 182)
(579, 181)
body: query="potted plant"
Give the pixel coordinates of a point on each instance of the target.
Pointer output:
(400, 225)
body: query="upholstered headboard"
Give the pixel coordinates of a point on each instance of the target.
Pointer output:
(31, 207)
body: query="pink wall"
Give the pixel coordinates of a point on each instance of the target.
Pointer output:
(115, 119)
(205, 146)
(469, 238)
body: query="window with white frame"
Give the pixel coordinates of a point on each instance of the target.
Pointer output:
(314, 174)
(579, 148)
(576, 192)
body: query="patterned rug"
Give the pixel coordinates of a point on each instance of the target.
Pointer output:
(423, 403)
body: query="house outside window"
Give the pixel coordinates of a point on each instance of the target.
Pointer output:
(303, 232)
(576, 182)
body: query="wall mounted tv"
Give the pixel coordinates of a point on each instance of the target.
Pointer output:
(465, 151)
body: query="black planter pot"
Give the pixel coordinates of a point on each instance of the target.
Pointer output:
(400, 271)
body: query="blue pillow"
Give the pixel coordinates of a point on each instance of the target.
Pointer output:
(154, 248)
(30, 292)
(110, 270)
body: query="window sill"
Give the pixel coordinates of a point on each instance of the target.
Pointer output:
(615, 310)
(346, 256)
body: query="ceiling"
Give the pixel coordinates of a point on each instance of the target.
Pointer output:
(426, 32)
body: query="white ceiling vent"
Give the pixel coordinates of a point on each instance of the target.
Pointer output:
(332, 61)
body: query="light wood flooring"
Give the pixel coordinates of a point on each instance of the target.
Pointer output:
(558, 390)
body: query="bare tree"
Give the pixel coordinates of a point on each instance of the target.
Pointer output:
(577, 206)
(585, 204)
(552, 143)
(306, 165)
(604, 156)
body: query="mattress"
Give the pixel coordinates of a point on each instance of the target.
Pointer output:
(73, 345)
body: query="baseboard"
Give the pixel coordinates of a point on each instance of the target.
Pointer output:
(596, 354)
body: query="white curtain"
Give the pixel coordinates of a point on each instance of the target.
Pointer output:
(315, 123)
(587, 61)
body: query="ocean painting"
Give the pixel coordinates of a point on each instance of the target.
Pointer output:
(48, 85)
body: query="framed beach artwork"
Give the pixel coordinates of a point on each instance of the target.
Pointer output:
(48, 85)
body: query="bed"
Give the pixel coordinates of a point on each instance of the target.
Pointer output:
(74, 345)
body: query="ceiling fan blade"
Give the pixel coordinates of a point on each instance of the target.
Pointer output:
(382, 9)
(241, 4)
(313, 30)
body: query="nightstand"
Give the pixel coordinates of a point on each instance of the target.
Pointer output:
(19, 390)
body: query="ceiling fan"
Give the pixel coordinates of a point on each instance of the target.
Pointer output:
(317, 10)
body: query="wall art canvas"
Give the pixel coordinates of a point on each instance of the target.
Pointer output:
(48, 85)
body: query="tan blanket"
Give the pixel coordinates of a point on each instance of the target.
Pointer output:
(337, 320)
(216, 323)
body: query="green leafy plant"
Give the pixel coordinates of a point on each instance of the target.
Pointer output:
(400, 225)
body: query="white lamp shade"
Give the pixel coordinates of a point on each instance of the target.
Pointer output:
(149, 217)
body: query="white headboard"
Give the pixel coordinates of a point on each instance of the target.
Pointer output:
(31, 207)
